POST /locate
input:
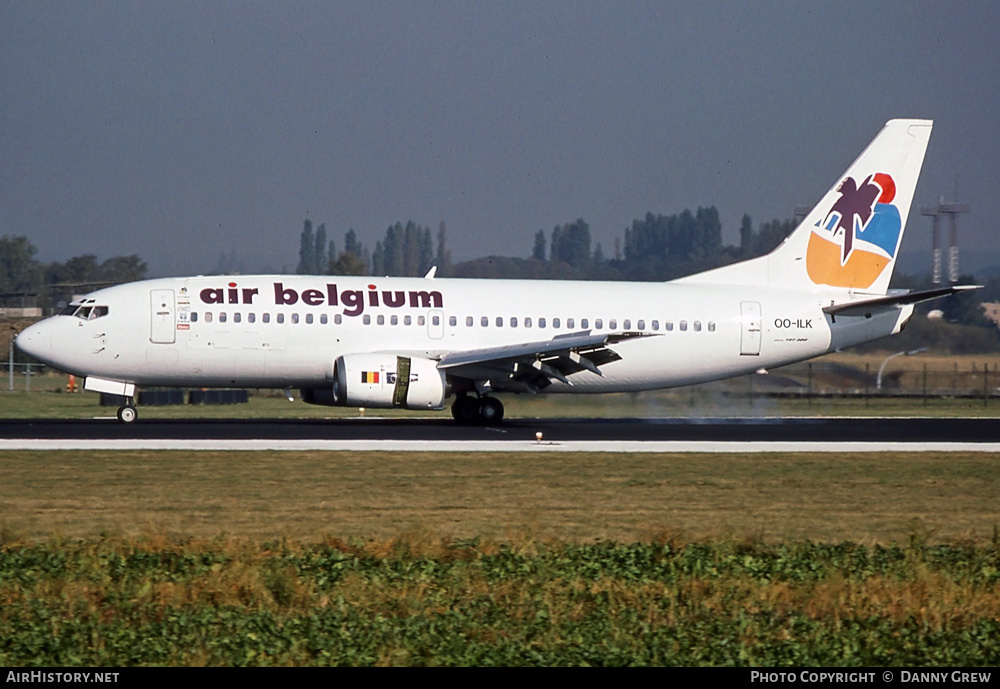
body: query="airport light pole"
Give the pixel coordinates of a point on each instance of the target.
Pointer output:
(878, 378)
(10, 362)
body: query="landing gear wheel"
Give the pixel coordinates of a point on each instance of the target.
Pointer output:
(490, 410)
(465, 410)
(127, 414)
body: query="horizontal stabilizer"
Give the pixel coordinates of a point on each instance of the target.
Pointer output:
(857, 308)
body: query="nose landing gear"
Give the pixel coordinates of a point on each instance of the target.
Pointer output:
(470, 411)
(127, 413)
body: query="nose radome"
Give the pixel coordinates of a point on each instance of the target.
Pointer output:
(35, 341)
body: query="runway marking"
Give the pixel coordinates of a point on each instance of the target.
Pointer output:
(703, 446)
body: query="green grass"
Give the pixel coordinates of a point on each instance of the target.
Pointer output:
(153, 601)
(338, 558)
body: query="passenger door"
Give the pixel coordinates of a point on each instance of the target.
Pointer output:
(162, 328)
(750, 333)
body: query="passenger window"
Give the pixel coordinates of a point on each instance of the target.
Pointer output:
(484, 321)
(669, 325)
(613, 324)
(697, 326)
(628, 324)
(394, 320)
(222, 316)
(251, 318)
(570, 322)
(280, 318)
(555, 322)
(295, 318)
(309, 318)
(584, 323)
(324, 319)
(541, 322)
(337, 319)
(513, 321)
(237, 317)
(366, 319)
(381, 319)
(435, 320)
(527, 321)
(407, 320)
(599, 324)
(208, 316)
(499, 321)
(641, 325)
(194, 316)
(656, 325)
(684, 325)
(711, 326)
(468, 321)
(452, 321)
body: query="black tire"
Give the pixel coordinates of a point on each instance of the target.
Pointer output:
(490, 410)
(127, 414)
(465, 410)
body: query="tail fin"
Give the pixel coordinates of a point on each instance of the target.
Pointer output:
(851, 237)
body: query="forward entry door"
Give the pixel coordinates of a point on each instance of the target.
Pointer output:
(162, 329)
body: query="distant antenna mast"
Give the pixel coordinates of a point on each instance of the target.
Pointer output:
(951, 209)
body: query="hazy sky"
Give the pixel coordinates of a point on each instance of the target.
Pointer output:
(182, 130)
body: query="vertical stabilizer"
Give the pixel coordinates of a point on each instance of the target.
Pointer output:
(850, 239)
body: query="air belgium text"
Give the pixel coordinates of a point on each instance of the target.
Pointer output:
(353, 301)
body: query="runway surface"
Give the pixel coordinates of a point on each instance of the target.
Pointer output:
(631, 435)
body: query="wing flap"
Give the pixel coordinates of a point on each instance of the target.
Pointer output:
(534, 365)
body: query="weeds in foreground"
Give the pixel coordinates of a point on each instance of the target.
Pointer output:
(418, 600)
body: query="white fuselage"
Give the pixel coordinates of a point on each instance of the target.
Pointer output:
(287, 331)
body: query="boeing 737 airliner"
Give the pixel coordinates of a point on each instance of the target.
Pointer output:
(413, 342)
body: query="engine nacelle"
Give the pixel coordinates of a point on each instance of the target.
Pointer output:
(381, 381)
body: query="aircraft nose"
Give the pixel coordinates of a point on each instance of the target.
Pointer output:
(35, 341)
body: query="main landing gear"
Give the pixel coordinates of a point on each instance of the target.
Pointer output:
(127, 413)
(471, 411)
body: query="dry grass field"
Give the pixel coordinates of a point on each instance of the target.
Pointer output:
(313, 496)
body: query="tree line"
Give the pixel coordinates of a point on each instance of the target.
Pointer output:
(22, 273)
(656, 247)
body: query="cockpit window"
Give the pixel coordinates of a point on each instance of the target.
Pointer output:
(86, 311)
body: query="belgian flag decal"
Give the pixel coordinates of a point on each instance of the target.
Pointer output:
(369, 377)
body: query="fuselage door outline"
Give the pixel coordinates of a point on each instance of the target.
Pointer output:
(435, 324)
(162, 312)
(750, 328)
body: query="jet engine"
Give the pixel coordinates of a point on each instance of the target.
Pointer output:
(381, 381)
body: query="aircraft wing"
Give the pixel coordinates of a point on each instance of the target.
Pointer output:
(858, 308)
(532, 366)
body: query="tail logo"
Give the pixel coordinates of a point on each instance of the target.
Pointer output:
(859, 235)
